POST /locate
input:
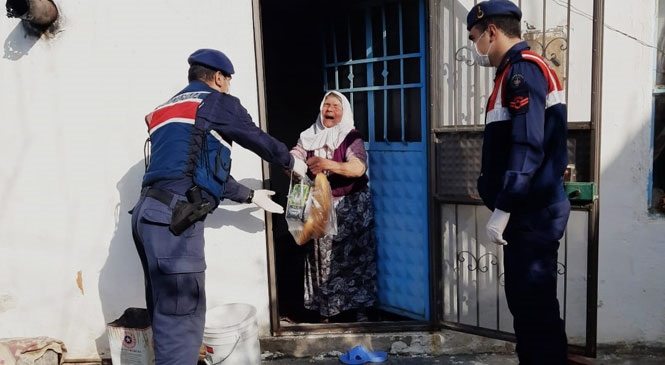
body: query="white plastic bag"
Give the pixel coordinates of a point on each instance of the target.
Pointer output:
(310, 213)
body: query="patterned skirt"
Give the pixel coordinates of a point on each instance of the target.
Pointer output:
(340, 270)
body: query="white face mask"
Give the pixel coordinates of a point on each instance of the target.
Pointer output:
(482, 59)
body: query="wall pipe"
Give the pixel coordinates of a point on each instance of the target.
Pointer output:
(39, 13)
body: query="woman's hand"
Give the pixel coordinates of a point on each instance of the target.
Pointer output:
(319, 165)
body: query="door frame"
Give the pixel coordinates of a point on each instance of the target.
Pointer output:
(318, 328)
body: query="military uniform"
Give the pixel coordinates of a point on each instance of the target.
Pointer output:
(523, 161)
(524, 158)
(191, 137)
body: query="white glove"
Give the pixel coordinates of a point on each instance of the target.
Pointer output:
(262, 200)
(299, 167)
(496, 225)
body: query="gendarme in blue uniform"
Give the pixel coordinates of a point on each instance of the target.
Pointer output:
(191, 137)
(524, 158)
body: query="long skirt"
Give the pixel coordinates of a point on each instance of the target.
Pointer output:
(340, 270)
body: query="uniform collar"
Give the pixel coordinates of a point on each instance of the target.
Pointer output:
(195, 86)
(513, 53)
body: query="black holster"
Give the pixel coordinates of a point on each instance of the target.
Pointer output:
(186, 213)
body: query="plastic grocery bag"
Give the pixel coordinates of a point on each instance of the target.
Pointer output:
(309, 210)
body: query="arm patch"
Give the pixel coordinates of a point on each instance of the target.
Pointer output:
(517, 95)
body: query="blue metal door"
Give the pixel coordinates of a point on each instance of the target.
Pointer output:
(375, 55)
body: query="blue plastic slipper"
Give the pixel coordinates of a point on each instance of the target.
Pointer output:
(360, 355)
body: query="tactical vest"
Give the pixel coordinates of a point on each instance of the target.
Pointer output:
(184, 145)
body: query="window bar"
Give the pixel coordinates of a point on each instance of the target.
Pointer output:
(477, 106)
(369, 53)
(335, 60)
(497, 292)
(423, 65)
(455, 105)
(544, 28)
(324, 62)
(564, 303)
(478, 271)
(401, 69)
(458, 264)
(385, 75)
(566, 60)
(350, 74)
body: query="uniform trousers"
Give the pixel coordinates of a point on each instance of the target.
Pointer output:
(174, 273)
(531, 269)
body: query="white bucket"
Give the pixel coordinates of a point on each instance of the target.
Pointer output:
(231, 335)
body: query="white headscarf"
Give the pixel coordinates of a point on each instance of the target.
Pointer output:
(318, 136)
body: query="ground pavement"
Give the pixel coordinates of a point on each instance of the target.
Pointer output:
(477, 359)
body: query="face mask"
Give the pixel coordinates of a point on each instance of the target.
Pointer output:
(482, 59)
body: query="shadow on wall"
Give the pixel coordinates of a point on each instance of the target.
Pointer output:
(241, 219)
(18, 43)
(121, 277)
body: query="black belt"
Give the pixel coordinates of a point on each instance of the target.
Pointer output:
(162, 196)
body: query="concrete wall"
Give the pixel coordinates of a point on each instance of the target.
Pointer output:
(72, 139)
(632, 243)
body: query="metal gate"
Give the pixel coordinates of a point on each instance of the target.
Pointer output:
(375, 55)
(471, 268)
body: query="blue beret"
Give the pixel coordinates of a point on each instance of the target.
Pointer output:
(491, 7)
(213, 59)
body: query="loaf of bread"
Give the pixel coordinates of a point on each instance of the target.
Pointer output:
(319, 211)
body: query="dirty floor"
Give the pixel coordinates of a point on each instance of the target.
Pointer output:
(478, 359)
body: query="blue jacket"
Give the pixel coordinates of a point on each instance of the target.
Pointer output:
(191, 137)
(525, 149)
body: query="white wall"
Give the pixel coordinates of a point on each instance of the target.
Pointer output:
(632, 243)
(72, 147)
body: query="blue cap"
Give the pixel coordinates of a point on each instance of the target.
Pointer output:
(213, 59)
(489, 8)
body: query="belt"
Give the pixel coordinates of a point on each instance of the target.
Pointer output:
(162, 196)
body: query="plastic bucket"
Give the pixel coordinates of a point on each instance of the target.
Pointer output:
(231, 335)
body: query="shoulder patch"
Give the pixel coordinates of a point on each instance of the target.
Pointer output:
(516, 81)
(517, 94)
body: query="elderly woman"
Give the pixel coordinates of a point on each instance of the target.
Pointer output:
(340, 270)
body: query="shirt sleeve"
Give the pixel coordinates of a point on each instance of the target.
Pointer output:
(525, 93)
(235, 191)
(230, 119)
(357, 150)
(299, 152)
